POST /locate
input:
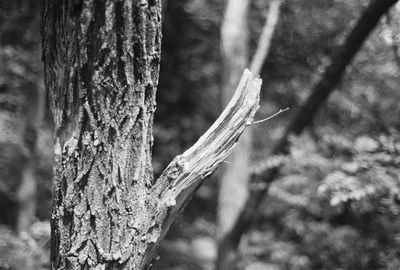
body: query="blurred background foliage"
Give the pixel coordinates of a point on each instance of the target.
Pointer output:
(336, 204)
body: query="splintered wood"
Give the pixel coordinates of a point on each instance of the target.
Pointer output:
(186, 171)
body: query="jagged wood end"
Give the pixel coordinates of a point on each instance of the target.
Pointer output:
(187, 170)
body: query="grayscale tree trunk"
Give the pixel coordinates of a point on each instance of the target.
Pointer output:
(236, 176)
(101, 70)
(101, 73)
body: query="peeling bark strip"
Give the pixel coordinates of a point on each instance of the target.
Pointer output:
(101, 72)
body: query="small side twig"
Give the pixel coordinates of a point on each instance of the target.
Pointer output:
(270, 117)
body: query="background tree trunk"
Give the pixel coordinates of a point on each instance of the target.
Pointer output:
(235, 178)
(303, 117)
(27, 191)
(20, 89)
(233, 190)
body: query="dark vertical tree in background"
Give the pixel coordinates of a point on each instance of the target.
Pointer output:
(306, 113)
(21, 111)
(101, 72)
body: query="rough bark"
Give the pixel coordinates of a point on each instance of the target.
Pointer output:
(101, 71)
(304, 116)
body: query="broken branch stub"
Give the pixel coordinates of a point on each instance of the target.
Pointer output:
(186, 171)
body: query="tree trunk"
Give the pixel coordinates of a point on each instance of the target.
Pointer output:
(19, 92)
(235, 178)
(319, 94)
(27, 191)
(101, 71)
(234, 49)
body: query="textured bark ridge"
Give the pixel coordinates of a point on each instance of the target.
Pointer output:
(101, 72)
(101, 64)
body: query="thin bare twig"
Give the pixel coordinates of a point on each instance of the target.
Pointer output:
(270, 117)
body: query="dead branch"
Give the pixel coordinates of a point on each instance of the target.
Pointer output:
(186, 172)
